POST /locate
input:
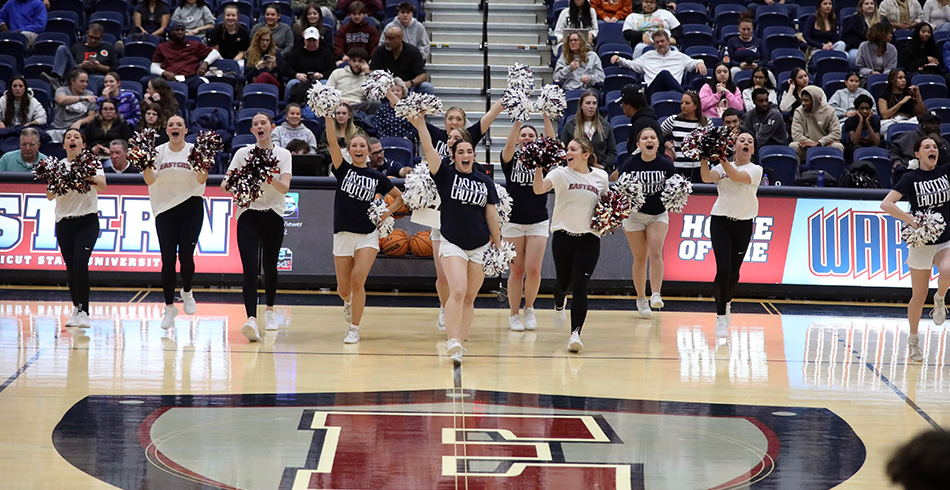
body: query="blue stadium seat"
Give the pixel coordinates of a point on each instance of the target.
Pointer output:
(260, 96)
(43, 94)
(727, 14)
(784, 59)
(780, 37)
(610, 33)
(666, 103)
(64, 21)
(398, 149)
(245, 116)
(896, 129)
(727, 33)
(8, 67)
(708, 54)
(621, 127)
(225, 118)
(882, 163)
(120, 7)
(622, 153)
(691, 13)
(572, 97)
(619, 81)
(833, 82)
(876, 84)
(181, 95)
(134, 68)
(695, 35)
(35, 65)
(829, 61)
(612, 103)
(133, 86)
(12, 45)
(783, 161)
(47, 43)
(139, 49)
(931, 86)
(941, 106)
(769, 16)
(232, 74)
(76, 7)
(743, 79)
(826, 158)
(112, 22)
(607, 51)
(215, 94)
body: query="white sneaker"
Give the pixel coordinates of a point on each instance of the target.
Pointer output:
(348, 311)
(73, 321)
(440, 323)
(939, 313)
(575, 344)
(656, 301)
(352, 336)
(914, 352)
(270, 320)
(454, 348)
(250, 330)
(722, 329)
(514, 323)
(560, 315)
(643, 306)
(168, 316)
(530, 321)
(188, 298)
(82, 319)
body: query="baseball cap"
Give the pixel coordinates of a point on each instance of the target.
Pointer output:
(175, 25)
(311, 33)
(630, 93)
(928, 116)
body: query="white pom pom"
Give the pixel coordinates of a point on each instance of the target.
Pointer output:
(930, 226)
(324, 100)
(521, 78)
(496, 262)
(631, 188)
(913, 164)
(420, 192)
(518, 105)
(676, 192)
(377, 83)
(416, 104)
(552, 101)
(504, 205)
(376, 211)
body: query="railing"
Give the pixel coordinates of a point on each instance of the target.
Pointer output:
(486, 76)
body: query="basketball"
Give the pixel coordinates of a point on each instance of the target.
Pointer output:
(421, 244)
(395, 244)
(403, 211)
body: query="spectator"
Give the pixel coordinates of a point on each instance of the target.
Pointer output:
(299, 147)
(160, 94)
(307, 65)
(118, 162)
(937, 14)
(612, 11)
(413, 32)
(720, 93)
(791, 7)
(345, 129)
(901, 150)
(18, 107)
(745, 51)
(373, 7)
(634, 105)
(639, 27)
(311, 16)
(127, 101)
(578, 67)
(292, 129)
(22, 160)
(902, 14)
(75, 105)
(263, 62)
(578, 15)
(195, 16)
(95, 57)
(877, 54)
(814, 123)
(662, 69)
(761, 78)
(359, 34)
(28, 17)
(820, 29)
(326, 7)
(731, 119)
(282, 34)
(921, 54)
(843, 101)
(183, 60)
(863, 129)
(153, 118)
(403, 59)
(152, 17)
(921, 464)
(855, 29)
(792, 98)
(105, 127)
(675, 128)
(764, 122)
(455, 118)
(230, 38)
(898, 102)
(590, 124)
(379, 162)
(385, 120)
(349, 79)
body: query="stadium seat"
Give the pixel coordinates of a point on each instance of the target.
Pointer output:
(64, 21)
(139, 49)
(780, 37)
(882, 163)
(607, 51)
(896, 129)
(112, 22)
(941, 106)
(833, 82)
(134, 68)
(619, 81)
(826, 158)
(708, 54)
(727, 33)
(8, 67)
(783, 163)
(245, 116)
(215, 95)
(47, 43)
(743, 79)
(695, 35)
(829, 61)
(572, 97)
(931, 86)
(260, 96)
(784, 59)
(727, 14)
(35, 65)
(771, 16)
(666, 103)
(12, 45)
(610, 33)
(398, 149)
(621, 127)
(133, 86)
(691, 13)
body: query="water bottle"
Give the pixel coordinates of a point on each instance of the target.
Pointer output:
(765, 179)
(820, 181)
(725, 56)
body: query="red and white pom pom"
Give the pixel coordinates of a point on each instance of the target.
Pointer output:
(420, 191)
(517, 103)
(416, 104)
(324, 100)
(377, 83)
(521, 79)
(930, 226)
(552, 101)
(497, 261)
(247, 182)
(710, 142)
(630, 187)
(142, 149)
(376, 211)
(84, 167)
(51, 169)
(504, 204)
(676, 193)
(610, 212)
(543, 152)
(207, 146)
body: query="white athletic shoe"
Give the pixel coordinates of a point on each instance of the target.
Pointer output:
(168, 316)
(643, 306)
(73, 321)
(514, 323)
(914, 353)
(530, 321)
(352, 335)
(575, 344)
(656, 301)
(188, 298)
(348, 311)
(82, 320)
(722, 329)
(270, 320)
(250, 330)
(560, 315)
(939, 313)
(440, 323)
(454, 348)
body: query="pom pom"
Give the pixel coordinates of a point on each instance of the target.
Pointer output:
(710, 142)
(324, 100)
(377, 83)
(552, 101)
(930, 226)
(610, 212)
(520, 79)
(913, 164)
(142, 149)
(51, 169)
(630, 187)
(246, 183)
(82, 169)
(416, 104)
(543, 152)
(676, 192)
(504, 205)
(496, 261)
(376, 210)
(207, 145)
(517, 103)
(420, 191)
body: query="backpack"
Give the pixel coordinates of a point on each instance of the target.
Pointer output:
(810, 179)
(860, 174)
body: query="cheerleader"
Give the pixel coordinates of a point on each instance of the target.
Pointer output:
(575, 245)
(175, 191)
(260, 229)
(468, 222)
(926, 189)
(77, 229)
(646, 229)
(355, 237)
(527, 229)
(731, 222)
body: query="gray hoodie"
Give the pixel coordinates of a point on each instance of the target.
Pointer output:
(767, 129)
(843, 101)
(415, 34)
(283, 134)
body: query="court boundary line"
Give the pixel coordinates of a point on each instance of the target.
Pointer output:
(911, 403)
(20, 371)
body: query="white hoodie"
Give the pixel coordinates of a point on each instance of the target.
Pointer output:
(284, 134)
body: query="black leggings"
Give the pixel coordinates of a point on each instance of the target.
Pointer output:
(259, 232)
(730, 239)
(178, 229)
(76, 238)
(575, 258)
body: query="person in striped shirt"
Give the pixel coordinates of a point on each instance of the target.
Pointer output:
(675, 128)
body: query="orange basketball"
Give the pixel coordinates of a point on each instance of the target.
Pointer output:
(403, 211)
(395, 244)
(421, 244)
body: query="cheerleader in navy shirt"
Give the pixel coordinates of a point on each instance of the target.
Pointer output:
(528, 227)
(469, 223)
(355, 237)
(928, 189)
(646, 229)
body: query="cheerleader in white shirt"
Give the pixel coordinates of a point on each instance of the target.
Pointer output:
(260, 229)
(77, 229)
(575, 246)
(175, 191)
(355, 237)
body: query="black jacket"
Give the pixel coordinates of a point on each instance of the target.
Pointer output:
(302, 61)
(644, 118)
(854, 31)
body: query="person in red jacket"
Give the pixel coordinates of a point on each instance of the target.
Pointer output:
(357, 33)
(612, 10)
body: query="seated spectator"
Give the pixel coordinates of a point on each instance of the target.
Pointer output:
(791, 7)
(263, 63)
(413, 32)
(349, 79)
(675, 128)
(921, 54)
(152, 17)
(578, 67)
(877, 54)
(731, 119)
(638, 27)
(74, 105)
(18, 107)
(761, 78)
(792, 98)
(578, 15)
(327, 7)
(764, 122)
(745, 51)
(153, 118)
(28, 17)
(642, 116)
(863, 129)
(379, 162)
(299, 147)
(901, 150)
(455, 118)
(357, 34)
(720, 93)
(814, 123)
(195, 16)
(183, 60)
(590, 124)
(118, 162)
(373, 7)
(127, 101)
(820, 29)
(612, 11)
(160, 94)
(385, 120)
(898, 102)
(662, 69)
(307, 65)
(105, 127)
(22, 160)
(404, 60)
(937, 14)
(282, 34)
(230, 38)
(94, 56)
(854, 31)
(902, 14)
(311, 16)
(921, 463)
(843, 100)
(345, 129)
(292, 129)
